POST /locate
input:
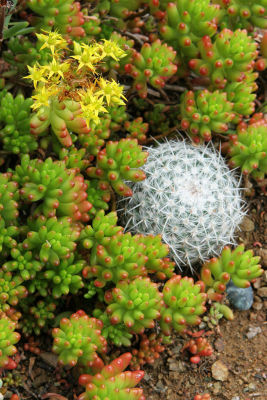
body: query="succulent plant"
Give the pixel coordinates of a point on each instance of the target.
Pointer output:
(22, 52)
(99, 195)
(78, 340)
(7, 339)
(137, 304)
(7, 235)
(199, 347)
(248, 150)
(228, 59)
(148, 351)
(118, 116)
(61, 190)
(239, 265)
(204, 112)
(124, 43)
(137, 129)
(112, 382)
(93, 140)
(241, 95)
(9, 196)
(92, 24)
(11, 290)
(184, 186)
(116, 334)
(186, 22)
(37, 318)
(51, 239)
(154, 64)
(15, 123)
(64, 16)
(63, 116)
(119, 161)
(73, 158)
(118, 8)
(245, 13)
(184, 303)
(23, 263)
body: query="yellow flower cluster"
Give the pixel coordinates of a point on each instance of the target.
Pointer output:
(73, 74)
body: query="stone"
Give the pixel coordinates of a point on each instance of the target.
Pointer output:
(247, 225)
(253, 331)
(240, 298)
(262, 292)
(219, 371)
(263, 255)
(235, 398)
(217, 388)
(257, 306)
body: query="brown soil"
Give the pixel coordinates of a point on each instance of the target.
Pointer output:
(173, 377)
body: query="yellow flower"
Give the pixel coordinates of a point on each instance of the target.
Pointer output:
(52, 40)
(54, 68)
(91, 105)
(43, 95)
(37, 74)
(111, 91)
(111, 49)
(88, 56)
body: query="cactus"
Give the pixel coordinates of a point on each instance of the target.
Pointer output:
(228, 59)
(248, 149)
(117, 334)
(184, 186)
(245, 13)
(78, 340)
(112, 382)
(118, 161)
(187, 21)
(238, 265)
(184, 303)
(137, 304)
(64, 16)
(15, 123)
(204, 112)
(148, 351)
(154, 64)
(61, 191)
(7, 340)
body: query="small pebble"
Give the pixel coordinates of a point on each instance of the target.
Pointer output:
(262, 292)
(219, 371)
(235, 398)
(253, 331)
(241, 299)
(247, 225)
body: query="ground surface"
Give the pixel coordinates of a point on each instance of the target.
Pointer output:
(240, 345)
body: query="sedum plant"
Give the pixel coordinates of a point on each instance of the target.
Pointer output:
(248, 150)
(119, 161)
(62, 15)
(148, 351)
(184, 302)
(186, 22)
(15, 123)
(178, 199)
(111, 381)
(239, 265)
(226, 59)
(137, 304)
(58, 190)
(245, 13)
(9, 196)
(11, 290)
(8, 338)
(154, 65)
(78, 340)
(204, 112)
(69, 92)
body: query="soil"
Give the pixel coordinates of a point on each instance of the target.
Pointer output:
(239, 346)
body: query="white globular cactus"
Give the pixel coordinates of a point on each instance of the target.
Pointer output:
(190, 197)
